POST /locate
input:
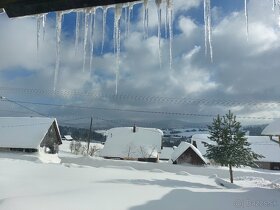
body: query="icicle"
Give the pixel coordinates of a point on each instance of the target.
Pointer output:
(210, 31)
(126, 9)
(208, 28)
(145, 18)
(170, 26)
(130, 10)
(246, 18)
(158, 3)
(205, 27)
(104, 20)
(44, 20)
(77, 34)
(39, 23)
(166, 19)
(85, 38)
(59, 16)
(117, 40)
(92, 29)
(273, 5)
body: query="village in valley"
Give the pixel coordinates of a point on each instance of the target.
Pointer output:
(104, 132)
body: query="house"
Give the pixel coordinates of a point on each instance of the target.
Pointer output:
(273, 129)
(262, 145)
(187, 153)
(134, 143)
(29, 134)
(165, 153)
(67, 138)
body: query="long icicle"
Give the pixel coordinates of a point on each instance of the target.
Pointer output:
(85, 38)
(59, 16)
(77, 32)
(158, 3)
(92, 36)
(205, 27)
(39, 22)
(145, 18)
(166, 20)
(246, 18)
(117, 41)
(273, 5)
(130, 10)
(104, 20)
(170, 26)
(44, 21)
(210, 29)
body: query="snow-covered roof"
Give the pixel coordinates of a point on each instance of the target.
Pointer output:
(68, 137)
(123, 142)
(273, 129)
(165, 153)
(259, 144)
(183, 146)
(23, 132)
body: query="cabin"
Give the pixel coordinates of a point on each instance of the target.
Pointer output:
(133, 143)
(29, 134)
(186, 153)
(166, 153)
(273, 130)
(262, 145)
(67, 138)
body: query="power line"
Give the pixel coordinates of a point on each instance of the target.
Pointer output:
(22, 106)
(138, 111)
(148, 99)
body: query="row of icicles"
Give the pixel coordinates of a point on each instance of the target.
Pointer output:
(86, 18)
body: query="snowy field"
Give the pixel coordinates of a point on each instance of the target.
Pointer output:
(93, 183)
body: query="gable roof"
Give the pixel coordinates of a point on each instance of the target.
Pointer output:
(24, 132)
(259, 144)
(121, 141)
(273, 129)
(183, 146)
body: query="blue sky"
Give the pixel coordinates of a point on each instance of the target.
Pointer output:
(242, 71)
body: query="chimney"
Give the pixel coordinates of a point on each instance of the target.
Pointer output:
(134, 128)
(194, 144)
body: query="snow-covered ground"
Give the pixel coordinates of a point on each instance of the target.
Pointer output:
(93, 183)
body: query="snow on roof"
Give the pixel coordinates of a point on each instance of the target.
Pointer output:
(122, 142)
(166, 153)
(68, 137)
(273, 129)
(259, 144)
(23, 132)
(183, 146)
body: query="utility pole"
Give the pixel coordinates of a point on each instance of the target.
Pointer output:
(89, 135)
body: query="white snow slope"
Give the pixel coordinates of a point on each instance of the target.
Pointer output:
(93, 183)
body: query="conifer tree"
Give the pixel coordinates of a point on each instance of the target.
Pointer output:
(230, 146)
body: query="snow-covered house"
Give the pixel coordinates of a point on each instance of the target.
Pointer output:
(67, 138)
(133, 143)
(262, 145)
(165, 153)
(29, 134)
(187, 153)
(273, 129)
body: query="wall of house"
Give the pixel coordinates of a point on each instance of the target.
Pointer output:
(28, 150)
(189, 156)
(269, 165)
(51, 140)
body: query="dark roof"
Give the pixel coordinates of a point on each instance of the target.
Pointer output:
(17, 8)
